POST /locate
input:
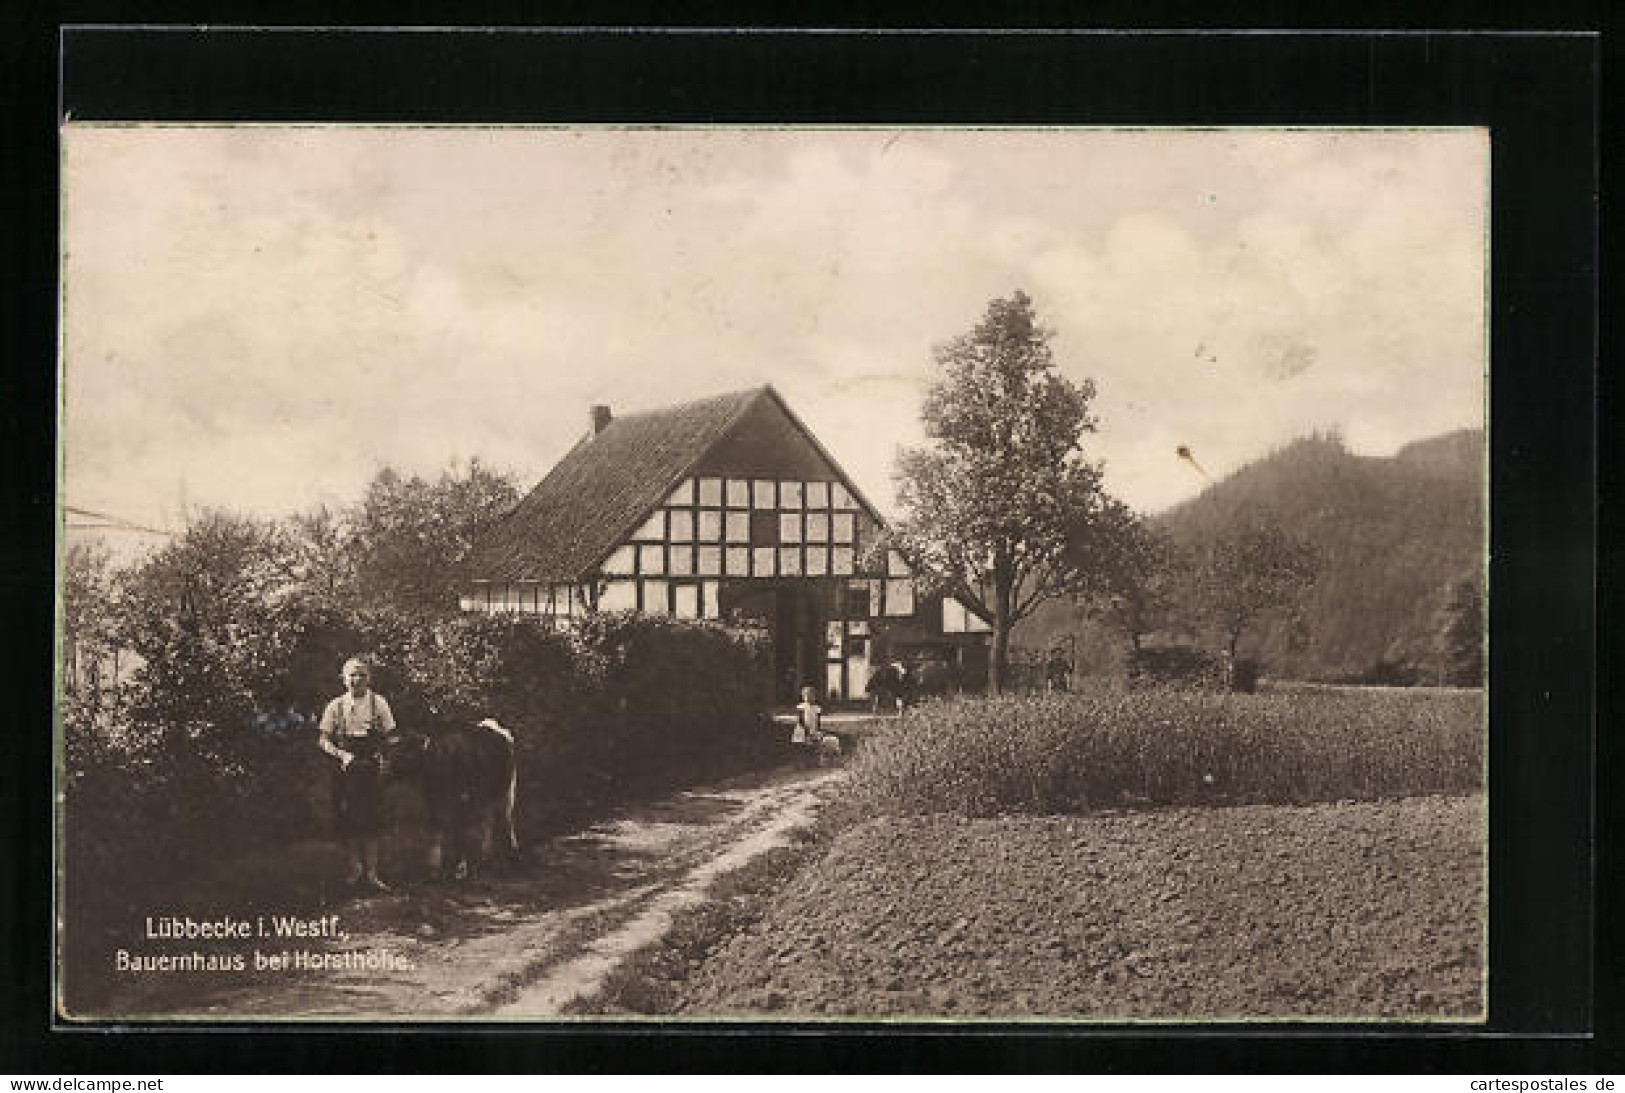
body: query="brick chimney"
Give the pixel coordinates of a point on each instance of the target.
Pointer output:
(600, 419)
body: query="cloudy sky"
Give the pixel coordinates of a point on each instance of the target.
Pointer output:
(261, 317)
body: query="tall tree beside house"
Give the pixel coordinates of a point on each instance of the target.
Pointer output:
(1248, 572)
(990, 503)
(411, 537)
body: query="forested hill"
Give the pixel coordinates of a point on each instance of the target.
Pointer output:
(1393, 533)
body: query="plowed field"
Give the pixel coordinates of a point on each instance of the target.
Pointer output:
(1370, 910)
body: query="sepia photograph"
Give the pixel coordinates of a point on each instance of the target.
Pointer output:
(792, 574)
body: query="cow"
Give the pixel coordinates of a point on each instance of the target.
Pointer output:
(468, 775)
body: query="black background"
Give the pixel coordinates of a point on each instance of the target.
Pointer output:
(1537, 93)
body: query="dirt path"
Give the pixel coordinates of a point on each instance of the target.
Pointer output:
(514, 947)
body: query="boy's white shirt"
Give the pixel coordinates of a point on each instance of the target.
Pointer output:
(334, 729)
(809, 714)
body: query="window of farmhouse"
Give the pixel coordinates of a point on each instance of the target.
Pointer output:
(618, 596)
(899, 597)
(655, 598)
(746, 527)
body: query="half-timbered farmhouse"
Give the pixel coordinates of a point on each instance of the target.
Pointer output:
(726, 508)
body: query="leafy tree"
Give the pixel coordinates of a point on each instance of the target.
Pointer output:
(234, 658)
(411, 537)
(200, 615)
(89, 647)
(1129, 572)
(1460, 639)
(990, 505)
(1249, 572)
(323, 559)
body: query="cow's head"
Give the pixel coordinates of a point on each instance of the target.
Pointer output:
(407, 756)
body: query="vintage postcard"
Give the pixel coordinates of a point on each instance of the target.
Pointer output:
(571, 574)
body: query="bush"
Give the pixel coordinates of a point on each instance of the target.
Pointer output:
(618, 705)
(1071, 753)
(675, 700)
(213, 754)
(224, 741)
(1177, 666)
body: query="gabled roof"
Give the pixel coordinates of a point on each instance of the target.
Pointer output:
(603, 487)
(608, 484)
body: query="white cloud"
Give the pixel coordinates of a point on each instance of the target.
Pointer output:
(270, 314)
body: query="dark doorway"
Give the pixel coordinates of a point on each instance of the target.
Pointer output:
(785, 670)
(798, 643)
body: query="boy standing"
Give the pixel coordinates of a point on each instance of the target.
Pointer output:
(355, 727)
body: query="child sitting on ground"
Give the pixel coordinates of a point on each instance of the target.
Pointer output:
(809, 730)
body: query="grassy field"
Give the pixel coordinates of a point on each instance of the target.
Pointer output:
(1078, 752)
